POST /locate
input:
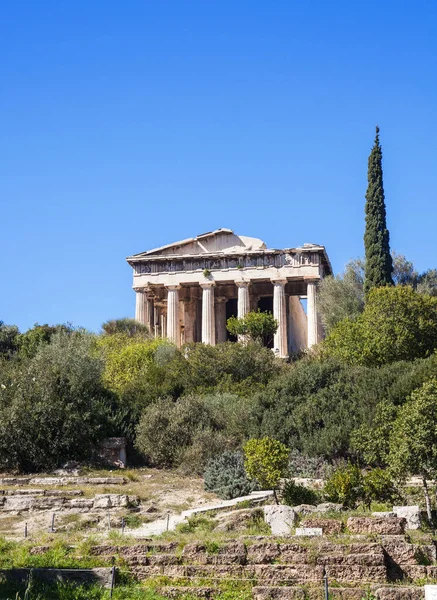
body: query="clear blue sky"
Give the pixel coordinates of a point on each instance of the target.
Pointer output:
(129, 124)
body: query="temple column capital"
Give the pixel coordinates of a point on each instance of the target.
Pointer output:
(207, 284)
(240, 283)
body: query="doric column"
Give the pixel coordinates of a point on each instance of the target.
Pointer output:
(297, 325)
(189, 319)
(173, 330)
(280, 344)
(243, 298)
(140, 305)
(208, 317)
(163, 324)
(220, 319)
(313, 321)
(156, 317)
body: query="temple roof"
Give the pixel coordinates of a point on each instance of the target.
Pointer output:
(219, 241)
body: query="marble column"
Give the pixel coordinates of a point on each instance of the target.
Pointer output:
(208, 317)
(156, 318)
(190, 314)
(280, 342)
(163, 325)
(173, 329)
(220, 319)
(312, 317)
(243, 298)
(140, 305)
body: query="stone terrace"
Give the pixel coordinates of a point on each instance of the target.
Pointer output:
(282, 568)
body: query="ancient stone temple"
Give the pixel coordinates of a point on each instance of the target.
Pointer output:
(186, 291)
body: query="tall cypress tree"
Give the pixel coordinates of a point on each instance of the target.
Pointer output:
(379, 265)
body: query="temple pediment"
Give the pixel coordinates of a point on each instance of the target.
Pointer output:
(218, 241)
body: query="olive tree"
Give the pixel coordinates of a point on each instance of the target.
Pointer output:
(413, 442)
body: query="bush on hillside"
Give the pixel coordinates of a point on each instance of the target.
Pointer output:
(345, 486)
(378, 486)
(226, 476)
(255, 326)
(229, 367)
(266, 462)
(397, 324)
(54, 407)
(314, 406)
(184, 433)
(294, 494)
(128, 327)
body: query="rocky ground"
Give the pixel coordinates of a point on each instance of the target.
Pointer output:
(95, 501)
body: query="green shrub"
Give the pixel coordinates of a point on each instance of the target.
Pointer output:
(345, 486)
(256, 325)
(226, 476)
(196, 523)
(294, 494)
(266, 461)
(378, 486)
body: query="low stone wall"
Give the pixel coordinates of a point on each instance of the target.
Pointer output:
(21, 503)
(282, 569)
(61, 481)
(100, 576)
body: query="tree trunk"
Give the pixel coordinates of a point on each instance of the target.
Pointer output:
(427, 500)
(275, 495)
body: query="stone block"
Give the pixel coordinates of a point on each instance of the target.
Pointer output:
(329, 507)
(163, 559)
(430, 592)
(263, 553)
(384, 514)
(411, 514)
(309, 531)
(357, 573)
(381, 526)
(25, 492)
(279, 593)
(80, 503)
(305, 509)
(15, 481)
(308, 593)
(281, 518)
(329, 526)
(48, 503)
(102, 501)
(399, 593)
(18, 503)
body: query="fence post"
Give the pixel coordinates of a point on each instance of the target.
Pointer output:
(325, 581)
(112, 581)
